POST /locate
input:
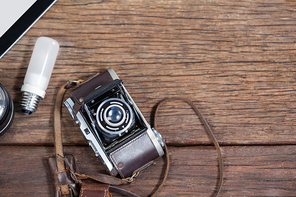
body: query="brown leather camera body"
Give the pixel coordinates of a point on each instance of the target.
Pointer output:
(136, 148)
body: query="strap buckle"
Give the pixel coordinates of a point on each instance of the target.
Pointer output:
(72, 83)
(131, 179)
(76, 82)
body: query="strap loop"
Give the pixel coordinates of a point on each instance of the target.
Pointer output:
(208, 130)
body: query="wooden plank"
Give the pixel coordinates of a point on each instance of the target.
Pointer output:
(249, 171)
(236, 60)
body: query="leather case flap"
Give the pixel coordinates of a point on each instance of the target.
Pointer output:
(133, 155)
(88, 86)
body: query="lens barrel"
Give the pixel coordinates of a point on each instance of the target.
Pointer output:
(6, 110)
(114, 116)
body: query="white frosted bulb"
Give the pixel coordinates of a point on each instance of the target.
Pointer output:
(38, 73)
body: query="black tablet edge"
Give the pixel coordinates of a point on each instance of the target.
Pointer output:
(23, 24)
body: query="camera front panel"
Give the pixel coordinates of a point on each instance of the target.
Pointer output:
(113, 118)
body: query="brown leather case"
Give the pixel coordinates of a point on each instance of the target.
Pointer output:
(63, 181)
(94, 190)
(134, 155)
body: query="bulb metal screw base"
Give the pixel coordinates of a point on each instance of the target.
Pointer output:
(29, 102)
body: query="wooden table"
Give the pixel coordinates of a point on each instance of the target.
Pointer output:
(234, 60)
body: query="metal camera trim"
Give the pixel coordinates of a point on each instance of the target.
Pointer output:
(89, 136)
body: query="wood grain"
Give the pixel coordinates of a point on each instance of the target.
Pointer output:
(249, 171)
(234, 59)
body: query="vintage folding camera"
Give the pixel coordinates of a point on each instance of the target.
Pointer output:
(113, 125)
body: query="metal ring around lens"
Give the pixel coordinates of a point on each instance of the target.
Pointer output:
(114, 128)
(114, 124)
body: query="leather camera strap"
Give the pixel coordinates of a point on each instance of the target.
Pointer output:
(208, 130)
(103, 178)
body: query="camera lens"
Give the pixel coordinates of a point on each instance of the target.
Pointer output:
(6, 110)
(114, 116)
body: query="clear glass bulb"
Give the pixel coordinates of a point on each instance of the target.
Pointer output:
(38, 73)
